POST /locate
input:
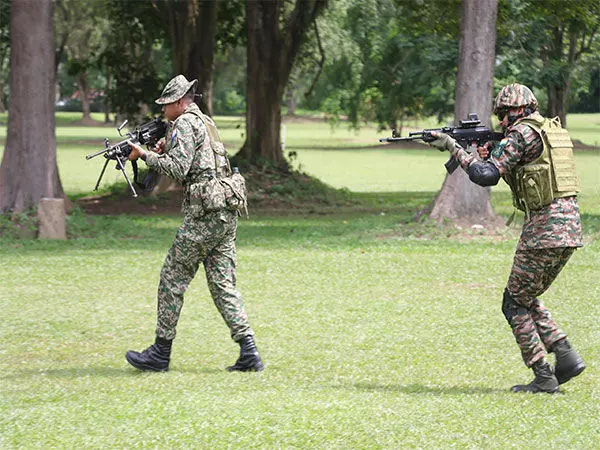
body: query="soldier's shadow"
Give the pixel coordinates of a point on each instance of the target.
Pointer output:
(99, 372)
(420, 389)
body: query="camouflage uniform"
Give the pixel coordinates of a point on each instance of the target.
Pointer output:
(549, 237)
(207, 238)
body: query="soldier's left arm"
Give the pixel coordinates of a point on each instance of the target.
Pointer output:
(180, 151)
(503, 158)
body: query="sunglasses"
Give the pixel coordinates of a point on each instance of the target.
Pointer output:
(501, 114)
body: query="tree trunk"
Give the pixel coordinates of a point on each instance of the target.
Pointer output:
(459, 198)
(193, 30)
(290, 99)
(29, 171)
(557, 102)
(84, 89)
(271, 55)
(202, 54)
(264, 85)
(106, 99)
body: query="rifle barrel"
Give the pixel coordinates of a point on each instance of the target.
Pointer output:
(100, 152)
(396, 139)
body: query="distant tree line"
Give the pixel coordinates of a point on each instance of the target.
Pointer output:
(371, 60)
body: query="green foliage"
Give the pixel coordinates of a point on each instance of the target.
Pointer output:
(387, 70)
(21, 225)
(549, 45)
(139, 64)
(230, 82)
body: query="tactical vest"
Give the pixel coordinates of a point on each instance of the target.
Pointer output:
(213, 142)
(552, 175)
(219, 188)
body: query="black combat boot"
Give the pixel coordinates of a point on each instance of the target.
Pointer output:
(544, 380)
(249, 360)
(568, 362)
(155, 358)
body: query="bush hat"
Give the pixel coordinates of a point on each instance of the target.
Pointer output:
(175, 89)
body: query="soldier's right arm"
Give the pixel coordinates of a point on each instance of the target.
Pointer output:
(181, 150)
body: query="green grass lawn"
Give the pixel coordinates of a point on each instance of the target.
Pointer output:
(376, 332)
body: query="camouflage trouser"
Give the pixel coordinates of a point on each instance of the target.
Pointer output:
(532, 273)
(210, 240)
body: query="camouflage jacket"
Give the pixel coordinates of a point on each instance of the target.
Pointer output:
(555, 225)
(185, 156)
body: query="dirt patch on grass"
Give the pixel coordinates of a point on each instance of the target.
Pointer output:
(268, 190)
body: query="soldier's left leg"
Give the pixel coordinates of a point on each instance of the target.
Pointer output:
(529, 319)
(220, 266)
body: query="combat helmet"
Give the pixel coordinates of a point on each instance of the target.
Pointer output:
(513, 96)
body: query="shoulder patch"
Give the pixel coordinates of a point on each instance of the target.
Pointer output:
(499, 148)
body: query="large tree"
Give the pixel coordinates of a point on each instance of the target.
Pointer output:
(29, 171)
(274, 38)
(459, 198)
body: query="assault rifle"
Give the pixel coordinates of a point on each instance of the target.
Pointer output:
(468, 132)
(147, 134)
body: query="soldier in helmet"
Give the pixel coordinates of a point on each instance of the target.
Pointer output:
(546, 192)
(193, 154)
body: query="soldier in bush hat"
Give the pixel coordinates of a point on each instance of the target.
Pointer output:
(194, 155)
(535, 158)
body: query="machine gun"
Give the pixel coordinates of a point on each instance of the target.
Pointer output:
(147, 134)
(468, 132)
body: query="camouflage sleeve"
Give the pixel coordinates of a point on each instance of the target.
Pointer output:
(179, 151)
(520, 144)
(464, 158)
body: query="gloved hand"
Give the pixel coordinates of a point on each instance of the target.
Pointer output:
(442, 141)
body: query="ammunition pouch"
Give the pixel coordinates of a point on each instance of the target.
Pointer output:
(533, 187)
(212, 194)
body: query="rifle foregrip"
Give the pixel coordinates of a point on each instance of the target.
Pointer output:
(451, 165)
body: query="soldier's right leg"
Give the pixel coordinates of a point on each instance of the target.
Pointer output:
(534, 329)
(518, 302)
(179, 268)
(537, 270)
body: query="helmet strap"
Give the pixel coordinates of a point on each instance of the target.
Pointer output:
(513, 118)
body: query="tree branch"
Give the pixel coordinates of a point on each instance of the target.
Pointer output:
(304, 13)
(319, 63)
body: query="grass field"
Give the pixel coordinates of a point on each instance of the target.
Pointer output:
(376, 332)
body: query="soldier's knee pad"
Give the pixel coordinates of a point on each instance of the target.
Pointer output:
(510, 308)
